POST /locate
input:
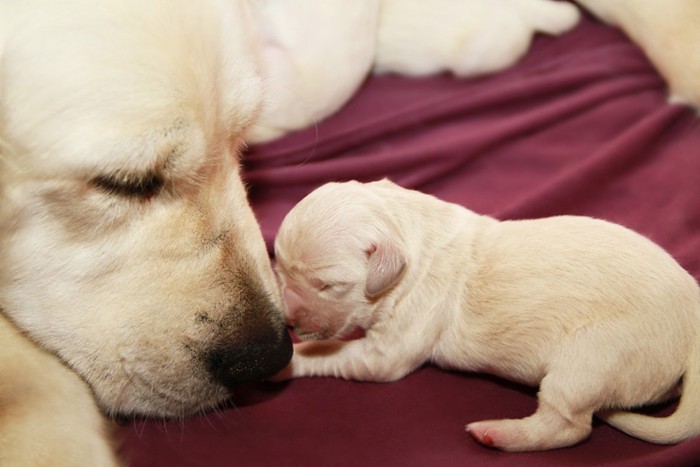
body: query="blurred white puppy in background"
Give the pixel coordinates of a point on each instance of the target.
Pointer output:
(601, 318)
(316, 53)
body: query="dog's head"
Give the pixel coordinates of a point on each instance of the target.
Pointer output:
(127, 244)
(338, 253)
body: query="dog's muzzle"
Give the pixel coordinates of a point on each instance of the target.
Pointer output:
(251, 361)
(255, 346)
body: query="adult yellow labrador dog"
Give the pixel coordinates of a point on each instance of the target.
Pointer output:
(128, 246)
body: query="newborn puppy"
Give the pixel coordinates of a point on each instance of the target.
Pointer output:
(599, 317)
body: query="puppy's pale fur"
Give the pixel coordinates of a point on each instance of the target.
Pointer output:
(467, 37)
(598, 316)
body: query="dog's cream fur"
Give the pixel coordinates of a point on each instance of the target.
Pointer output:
(598, 316)
(48, 417)
(669, 34)
(128, 246)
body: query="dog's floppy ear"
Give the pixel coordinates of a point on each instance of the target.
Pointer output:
(386, 265)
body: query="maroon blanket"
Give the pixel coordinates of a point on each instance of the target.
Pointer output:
(581, 126)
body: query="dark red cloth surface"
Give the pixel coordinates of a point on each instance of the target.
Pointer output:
(580, 126)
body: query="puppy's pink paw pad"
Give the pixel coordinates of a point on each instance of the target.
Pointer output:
(506, 435)
(481, 435)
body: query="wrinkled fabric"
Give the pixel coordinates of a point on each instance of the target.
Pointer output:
(580, 126)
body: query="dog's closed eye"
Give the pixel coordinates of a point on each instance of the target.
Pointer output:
(142, 186)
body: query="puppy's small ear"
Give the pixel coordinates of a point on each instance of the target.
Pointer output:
(386, 265)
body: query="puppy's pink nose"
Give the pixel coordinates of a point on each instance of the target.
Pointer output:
(293, 303)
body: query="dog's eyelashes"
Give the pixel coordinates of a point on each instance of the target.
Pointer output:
(141, 186)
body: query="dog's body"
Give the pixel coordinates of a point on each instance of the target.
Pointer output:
(37, 395)
(598, 316)
(669, 35)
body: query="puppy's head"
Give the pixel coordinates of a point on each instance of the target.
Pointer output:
(128, 246)
(338, 254)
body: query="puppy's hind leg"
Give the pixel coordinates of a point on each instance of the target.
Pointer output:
(577, 385)
(558, 422)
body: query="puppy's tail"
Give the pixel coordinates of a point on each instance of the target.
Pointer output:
(683, 424)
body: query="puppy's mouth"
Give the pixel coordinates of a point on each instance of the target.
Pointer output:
(306, 335)
(328, 334)
(353, 334)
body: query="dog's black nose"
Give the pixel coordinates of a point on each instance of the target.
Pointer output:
(253, 359)
(251, 341)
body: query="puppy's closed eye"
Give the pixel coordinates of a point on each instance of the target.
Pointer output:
(141, 186)
(335, 289)
(324, 286)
